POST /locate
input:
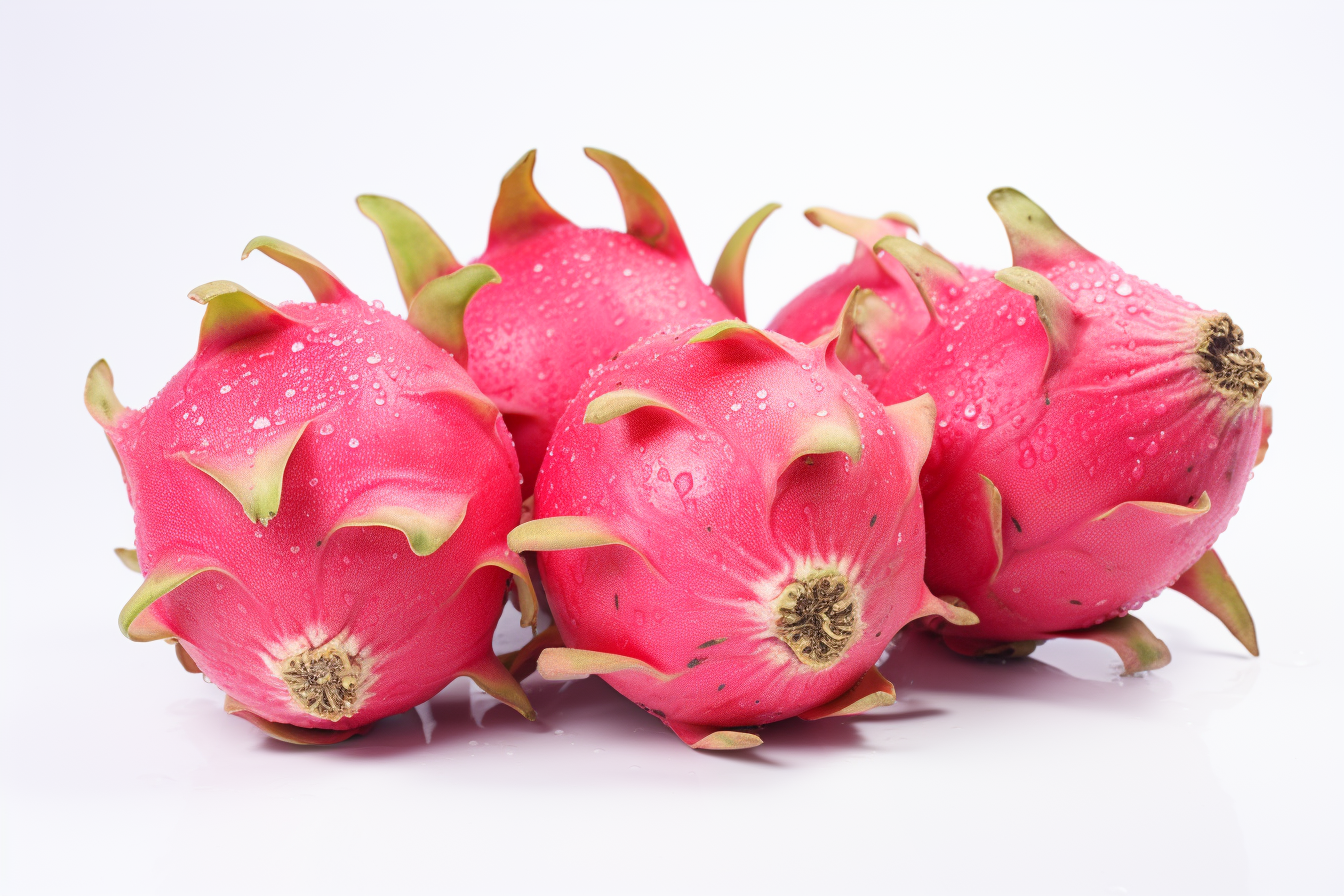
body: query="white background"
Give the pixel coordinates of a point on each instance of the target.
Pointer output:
(141, 147)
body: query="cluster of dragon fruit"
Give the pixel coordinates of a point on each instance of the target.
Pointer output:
(727, 523)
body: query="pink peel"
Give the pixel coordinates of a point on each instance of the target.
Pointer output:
(735, 541)
(327, 547)
(568, 297)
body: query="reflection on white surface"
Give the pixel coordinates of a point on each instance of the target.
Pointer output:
(982, 771)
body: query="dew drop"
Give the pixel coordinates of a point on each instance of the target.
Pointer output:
(225, 389)
(374, 358)
(1021, 321)
(735, 406)
(761, 394)
(821, 413)
(289, 393)
(260, 423)
(327, 429)
(1124, 289)
(354, 443)
(298, 347)
(969, 411)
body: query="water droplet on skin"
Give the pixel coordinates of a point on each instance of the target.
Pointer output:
(260, 423)
(985, 422)
(327, 429)
(735, 406)
(1048, 453)
(374, 358)
(761, 394)
(377, 303)
(313, 481)
(1152, 449)
(627, 272)
(537, 269)
(942, 423)
(289, 393)
(1021, 321)
(821, 413)
(1137, 472)
(683, 484)
(225, 389)
(294, 549)
(663, 475)
(298, 347)
(354, 443)
(1123, 289)
(969, 411)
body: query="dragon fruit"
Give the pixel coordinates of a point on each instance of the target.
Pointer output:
(889, 312)
(322, 499)
(570, 297)
(1083, 465)
(731, 531)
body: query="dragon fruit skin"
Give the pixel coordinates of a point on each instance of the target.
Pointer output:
(890, 311)
(321, 499)
(729, 531)
(570, 296)
(1084, 463)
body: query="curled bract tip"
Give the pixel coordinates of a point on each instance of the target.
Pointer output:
(1036, 240)
(99, 397)
(615, 404)
(731, 268)
(418, 254)
(521, 211)
(932, 273)
(292, 734)
(1053, 309)
(439, 309)
(1138, 648)
(647, 216)
(321, 282)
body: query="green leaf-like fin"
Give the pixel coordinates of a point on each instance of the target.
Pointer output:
(739, 330)
(128, 558)
(254, 479)
(917, 419)
(427, 519)
(566, 533)
(438, 309)
(956, 614)
(1178, 512)
(101, 401)
(527, 594)
(162, 579)
(568, 664)
(729, 272)
(840, 337)
(931, 272)
(869, 692)
(647, 217)
(418, 254)
(865, 230)
(233, 314)
(825, 436)
(993, 502)
(1208, 584)
(703, 737)
(321, 282)
(1139, 649)
(1036, 240)
(1054, 310)
(292, 734)
(520, 211)
(615, 404)
(491, 676)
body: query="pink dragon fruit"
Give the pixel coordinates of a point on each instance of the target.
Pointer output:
(571, 296)
(1081, 466)
(889, 312)
(732, 531)
(322, 499)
